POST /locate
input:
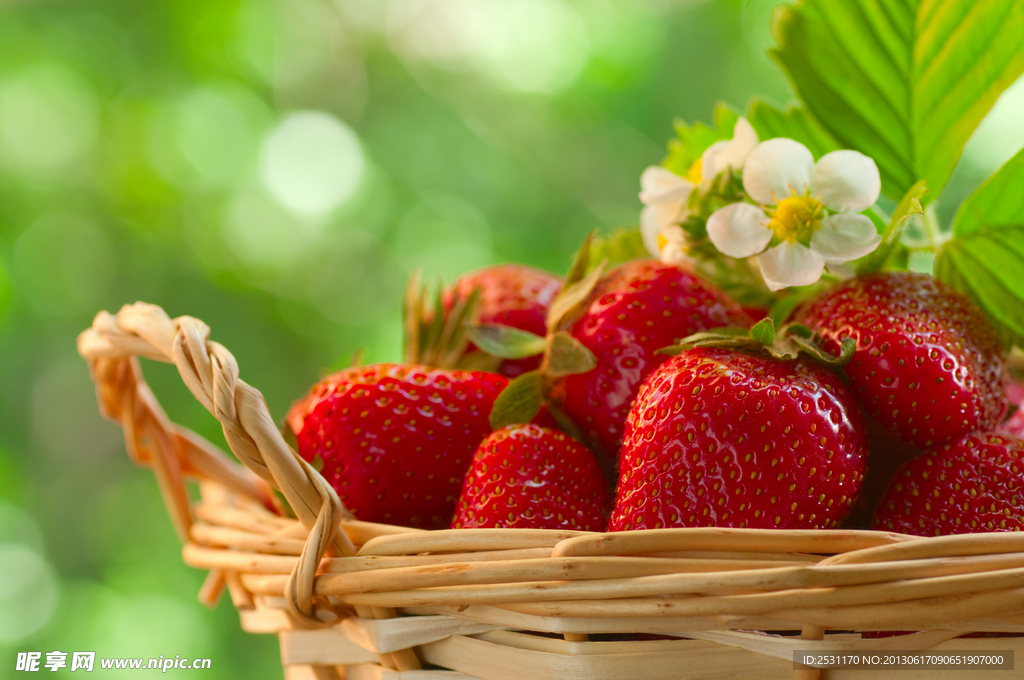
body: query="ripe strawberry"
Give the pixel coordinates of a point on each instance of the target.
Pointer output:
(971, 485)
(928, 365)
(636, 309)
(510, 295)
(396, 439)
(531, 477)
(722, 438)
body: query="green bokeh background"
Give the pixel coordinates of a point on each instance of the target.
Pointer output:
(278, 169)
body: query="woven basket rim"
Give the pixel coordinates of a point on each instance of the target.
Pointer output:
(325, 564)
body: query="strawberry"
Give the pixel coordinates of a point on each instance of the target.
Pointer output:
(971, 485)
(531, 477)
(718, 437)
(510, 295)
(636, 309)
(396, 440)
(928, 365)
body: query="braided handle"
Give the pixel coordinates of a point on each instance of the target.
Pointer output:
(112, 346)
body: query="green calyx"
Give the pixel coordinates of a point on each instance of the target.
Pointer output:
(563, 354)
(435, 336)
(786, 344)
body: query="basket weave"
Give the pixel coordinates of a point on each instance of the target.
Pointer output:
(357, 600)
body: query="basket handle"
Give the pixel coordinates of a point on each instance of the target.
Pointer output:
(112, 345)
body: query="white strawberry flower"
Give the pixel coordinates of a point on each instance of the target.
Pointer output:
(810, 210)
(665, 194)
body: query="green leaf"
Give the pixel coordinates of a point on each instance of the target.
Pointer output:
(903, 81)
(764, 331)
(730, 337)
(519, 402)
(847, 347)
(580, 262)
(568, 356)
(505, 342)
(985, 258)
(986, 265)
(999, 200)
(570, 301)
(693, 140)
(794, 122)
(908, 207)
(622, 245)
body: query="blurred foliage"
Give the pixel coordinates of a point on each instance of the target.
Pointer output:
(278, 169)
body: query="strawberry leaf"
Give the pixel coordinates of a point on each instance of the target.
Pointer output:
(434, 335)
(985, 265)
(847, 347)
(786, 344)
(999, 200)
(985, 257)
(519, 402)
(568, 356)
(908, 207)
(730, 337)
(903, 81)
(412, 316)
(764, 331)
(478, 361)
(580, 262)
(505, 341)
(570, 302)
(622, 245)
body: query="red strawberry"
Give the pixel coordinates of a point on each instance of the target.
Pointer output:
(971, 485)
(722, 438)
(396, 439)
(928, 365)
(510, 295)
(531, 477)
(637, 308)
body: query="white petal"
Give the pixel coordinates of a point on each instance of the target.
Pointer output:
(660, 185)
(777, 168)
(789, 264)
(844, 237)
(650, 229)
(715, 159)
(739, 229)
(675, 253)
(674, 234)
(729, 154)
(744, 139)
(846, 180)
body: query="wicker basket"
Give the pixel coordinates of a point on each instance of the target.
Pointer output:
(357, 600)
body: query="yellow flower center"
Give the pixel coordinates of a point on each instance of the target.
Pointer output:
(693, 174)
(796, 218)
(662, 242)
